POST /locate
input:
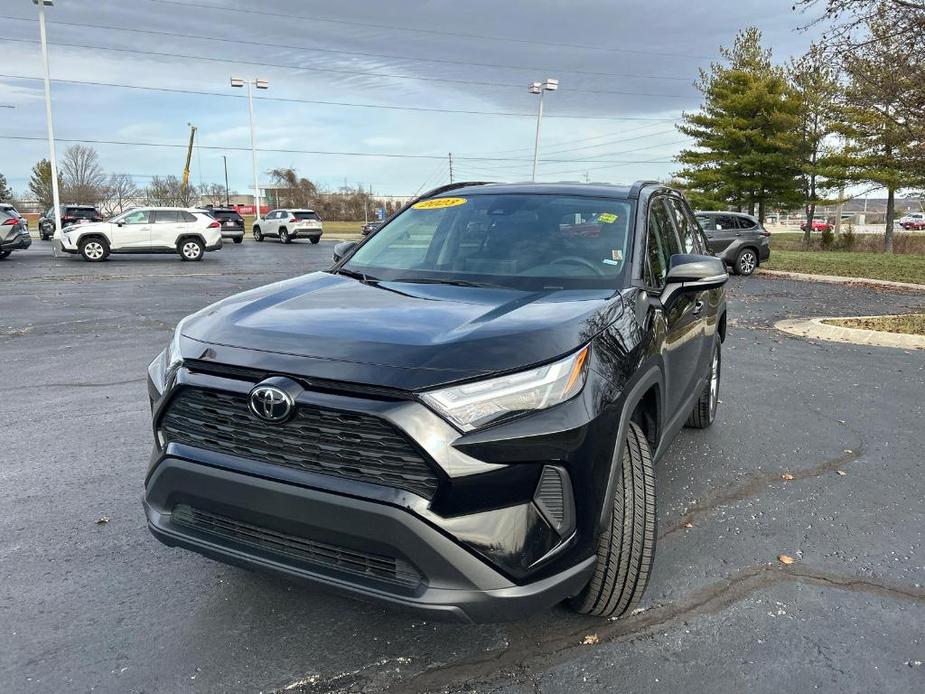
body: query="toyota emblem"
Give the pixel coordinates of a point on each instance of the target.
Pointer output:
(270, 403)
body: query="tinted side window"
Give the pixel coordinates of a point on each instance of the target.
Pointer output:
(166, 216)
(685, 226)
(187, 216)
(746, 223)
(661, 243)
(726, 221)
(707, 222)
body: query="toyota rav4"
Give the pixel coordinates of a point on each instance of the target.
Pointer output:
(462, 414)
(189, 233)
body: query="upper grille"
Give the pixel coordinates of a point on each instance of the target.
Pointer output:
(304, 549)
(342, 444)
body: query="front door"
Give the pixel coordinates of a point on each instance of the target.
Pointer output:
(134, 231)
(683, 311)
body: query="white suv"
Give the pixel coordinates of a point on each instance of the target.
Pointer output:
(187, 232)
(287, 225)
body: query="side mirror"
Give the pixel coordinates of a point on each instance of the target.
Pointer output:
(342, 249)
(695, 273)
(120, 224)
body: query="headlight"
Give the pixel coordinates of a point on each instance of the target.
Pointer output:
(165, 364)
(473, 405)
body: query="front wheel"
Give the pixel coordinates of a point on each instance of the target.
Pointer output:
(746, 262)
(191, 249)
(626, 546)
(94, 250)
(704, 411)
(258, 235)
(4, 254)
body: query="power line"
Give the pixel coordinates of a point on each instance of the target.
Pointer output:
(339, 71)
(506, 39)
(348, 104)
(386, 155)
(352, 53)
(571, 142)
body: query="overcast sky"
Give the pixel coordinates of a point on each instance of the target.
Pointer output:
(477, 55)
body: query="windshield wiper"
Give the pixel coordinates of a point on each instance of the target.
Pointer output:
(362, 276)
(453, 282)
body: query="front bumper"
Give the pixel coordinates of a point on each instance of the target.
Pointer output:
(19, 242)
(455, 584)
(484, 545)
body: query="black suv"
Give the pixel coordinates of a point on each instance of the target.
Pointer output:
(232, 222)
(70, 214)
(740, 240)
(462, 414)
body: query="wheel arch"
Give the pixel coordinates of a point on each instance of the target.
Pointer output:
(643, 402)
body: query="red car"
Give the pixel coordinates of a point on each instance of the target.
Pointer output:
(818, 225)
(914, 221)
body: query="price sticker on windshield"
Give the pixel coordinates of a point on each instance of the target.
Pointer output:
(438, 203)
(607, 217)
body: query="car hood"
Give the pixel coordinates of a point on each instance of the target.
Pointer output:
(92, 226)
(395, 334)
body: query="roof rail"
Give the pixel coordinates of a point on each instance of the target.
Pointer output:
(639, 185)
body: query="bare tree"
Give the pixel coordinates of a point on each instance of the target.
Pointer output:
(169, 191)
(119, 193)
(82, 175)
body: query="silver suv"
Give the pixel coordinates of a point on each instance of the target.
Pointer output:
(289, 224)
(740, 240)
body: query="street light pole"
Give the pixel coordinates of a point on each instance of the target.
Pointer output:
(56, 199)
(259, 84)
(550, 85)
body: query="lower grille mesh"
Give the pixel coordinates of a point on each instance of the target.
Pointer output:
(382, 568)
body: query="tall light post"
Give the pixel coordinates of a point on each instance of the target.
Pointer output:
(42, 4)
(259, 84)
(550, 85)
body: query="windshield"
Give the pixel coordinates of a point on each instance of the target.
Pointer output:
(529, 241)
(81, 212)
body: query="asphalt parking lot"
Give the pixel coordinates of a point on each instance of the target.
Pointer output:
(89, 606)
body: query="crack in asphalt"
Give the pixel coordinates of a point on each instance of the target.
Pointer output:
(755, 484)
(524, 655)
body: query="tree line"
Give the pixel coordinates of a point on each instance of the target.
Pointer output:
(851, 111)
(82, 180)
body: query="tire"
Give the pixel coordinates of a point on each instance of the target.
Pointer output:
(94, 249)
(315, 239)
(284, 236)
(258, 235)
(746, 262)
(704, 411)
(238, 239)
(191, 249)
(4, 254)
(626, 546)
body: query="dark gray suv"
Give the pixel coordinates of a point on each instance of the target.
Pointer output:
(740, 240)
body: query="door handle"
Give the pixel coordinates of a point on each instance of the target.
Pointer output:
(698, 307)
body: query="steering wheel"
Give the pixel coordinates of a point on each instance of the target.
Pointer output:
(578, 260)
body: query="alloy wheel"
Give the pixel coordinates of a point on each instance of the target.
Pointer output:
(94, 250)
(191, 250)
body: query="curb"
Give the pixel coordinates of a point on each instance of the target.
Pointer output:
(836, 279)
(816, 328)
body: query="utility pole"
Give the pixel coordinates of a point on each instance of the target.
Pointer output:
(450, 155)
(227, 198)
(838, 209)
